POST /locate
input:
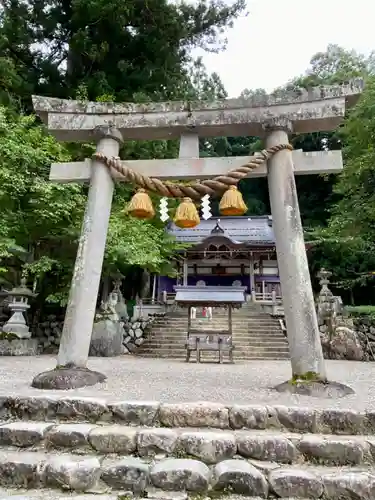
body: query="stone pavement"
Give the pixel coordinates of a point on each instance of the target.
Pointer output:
(131, 378)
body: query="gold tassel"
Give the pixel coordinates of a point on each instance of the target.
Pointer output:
(232, 202)
(140, 205)
(186, 214)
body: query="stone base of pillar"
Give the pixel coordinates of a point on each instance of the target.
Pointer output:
(67, 377)
(315, 388)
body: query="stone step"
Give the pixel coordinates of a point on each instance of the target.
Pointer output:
(136, 476)
(245, 339)
(180, 344)
(207, 324)
(209, 446)
(65, 408)
(243, 321)
(235, 328)
(205, 357)
(238, 341)
(240, 319)
(242, 348)
(247, 331)
(244, 334)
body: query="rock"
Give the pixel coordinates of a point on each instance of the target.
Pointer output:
(264, 467)
(210, 447)
(238, 476)
(139, 341)
(339, 421)
(83, 408)
(297, 419)
(347, 485)
(32, 408)
(334, 451)
(20, 469)
(346, 344)
(69, 435)
(63, 378)
(114, 439)
(106, 339)
(194, 415)
(248, 417)
(315, 389)
(269, 448)
(130, 473)
(295, 483)
(136, 412)
(23, 434)
(180, 474)
(154, 441)
(73, 473)
(138, 333)
(370, 445)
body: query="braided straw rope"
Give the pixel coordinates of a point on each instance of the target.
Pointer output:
(194, 190)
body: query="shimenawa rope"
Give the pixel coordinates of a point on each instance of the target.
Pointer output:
(194, 190)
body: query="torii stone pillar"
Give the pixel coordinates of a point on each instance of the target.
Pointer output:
(298, 300)
(71, 370)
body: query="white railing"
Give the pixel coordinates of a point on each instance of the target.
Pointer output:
(255, 297)
(265, 297)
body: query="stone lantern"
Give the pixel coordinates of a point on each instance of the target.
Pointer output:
(18, 305)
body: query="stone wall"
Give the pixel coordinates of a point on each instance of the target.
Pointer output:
(347, 338)
(48, 332)
(343, 337)
(135, 333)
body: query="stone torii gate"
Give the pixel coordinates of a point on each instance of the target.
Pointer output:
(269, 117)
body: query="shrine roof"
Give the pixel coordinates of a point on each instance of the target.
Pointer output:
(210, 295)
(239, 230)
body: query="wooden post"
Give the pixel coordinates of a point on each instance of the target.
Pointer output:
(153, 289)
(251, 273)
(185, 276)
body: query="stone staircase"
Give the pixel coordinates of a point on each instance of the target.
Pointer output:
(256, 335)
(163, 451)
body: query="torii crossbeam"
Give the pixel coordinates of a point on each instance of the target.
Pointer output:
(319, 109)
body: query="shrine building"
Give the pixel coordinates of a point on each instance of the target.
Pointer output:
(227, 251)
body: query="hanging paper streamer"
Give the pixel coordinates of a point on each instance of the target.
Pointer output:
(206, 208)
(163, 209)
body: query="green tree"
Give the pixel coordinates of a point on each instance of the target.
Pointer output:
(113, 47)
(40, 220)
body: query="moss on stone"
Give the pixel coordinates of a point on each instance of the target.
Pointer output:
(8, 336)
(305, 377)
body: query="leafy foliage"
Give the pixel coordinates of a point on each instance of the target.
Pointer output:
(112, 47)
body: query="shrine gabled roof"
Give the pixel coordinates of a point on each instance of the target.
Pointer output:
(239, 230)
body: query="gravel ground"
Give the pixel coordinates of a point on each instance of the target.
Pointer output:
(131, 378)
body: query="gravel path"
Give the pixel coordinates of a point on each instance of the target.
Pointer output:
(131, 378)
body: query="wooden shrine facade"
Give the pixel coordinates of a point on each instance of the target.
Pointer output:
(227, 251)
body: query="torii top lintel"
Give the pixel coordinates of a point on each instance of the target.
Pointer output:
(313, 110)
